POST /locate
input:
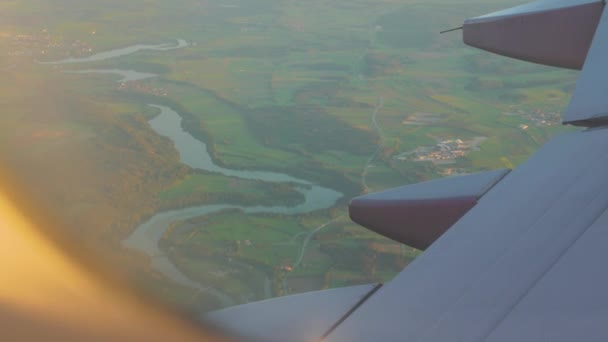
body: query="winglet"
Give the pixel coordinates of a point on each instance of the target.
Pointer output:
(551, 32)
(419, 214)
(589, 104)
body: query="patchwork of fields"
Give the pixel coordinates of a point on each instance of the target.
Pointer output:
(337, 92)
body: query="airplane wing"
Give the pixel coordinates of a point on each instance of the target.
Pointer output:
(523, 258)
(301, 317)
(523, 265)
(510, 255)
(418, 214)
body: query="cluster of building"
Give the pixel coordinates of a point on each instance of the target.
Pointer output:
(27, 45)
(244, 242)
(143, 88)
(538, 118)
(444, 152)
(43, 43)
(79, 48)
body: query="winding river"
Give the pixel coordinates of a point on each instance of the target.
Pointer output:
(127, 75)
(121, 52)
(193, 153)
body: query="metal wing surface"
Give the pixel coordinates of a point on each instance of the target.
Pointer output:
(589, 104)
(302, 317)
(515, 267)
(521, 257)
(524, 264)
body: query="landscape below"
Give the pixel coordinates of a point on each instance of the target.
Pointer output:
(354, 96)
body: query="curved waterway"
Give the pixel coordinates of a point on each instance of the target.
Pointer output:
(127, 75)
(194, 153)
(122, 52)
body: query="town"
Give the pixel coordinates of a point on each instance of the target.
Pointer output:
(44, 43)
(141, 87)
(538, 118)
(444, 152)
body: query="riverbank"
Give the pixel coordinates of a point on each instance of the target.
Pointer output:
(193, 153)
